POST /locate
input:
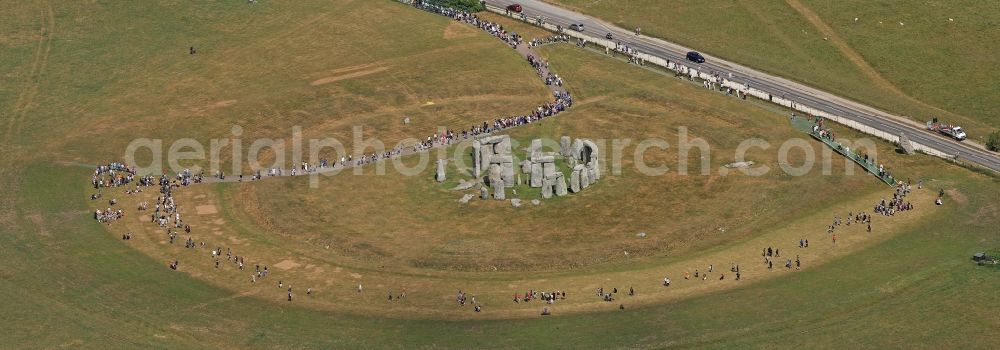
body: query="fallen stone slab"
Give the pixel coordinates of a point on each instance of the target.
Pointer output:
(466, 198)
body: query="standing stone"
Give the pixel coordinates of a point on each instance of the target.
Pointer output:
(507, 174)
(499, 193)
(536, 147)
(548, 169)
(592, 174)
(526, 166)
(564, 146)
(584, 178)
(536, 175)
(506, 164)
(591, 148)
(574, 181)
(518, 180)
(483, 192)
(476, 170)
(487, 157)
(441, 165)
(560, 185)
(577, 149)
(503, 147)
(547, 187)
(496, 182)
(494, 175)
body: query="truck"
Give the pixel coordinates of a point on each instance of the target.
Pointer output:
(953, 131)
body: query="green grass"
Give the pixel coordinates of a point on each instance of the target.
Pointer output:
(683, 213)
(256, 67)
(80, 285)
(73, 283)
(941, 67)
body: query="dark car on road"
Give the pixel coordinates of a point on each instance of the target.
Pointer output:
(696, 57)
(515, 8)
(576, 26)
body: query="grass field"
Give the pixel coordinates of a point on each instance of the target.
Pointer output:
(385, 230)
(926, 67)
(264, 68)
(73, 283)
(412, 211)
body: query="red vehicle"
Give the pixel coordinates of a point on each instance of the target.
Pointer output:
(515, 8)
(953, 131)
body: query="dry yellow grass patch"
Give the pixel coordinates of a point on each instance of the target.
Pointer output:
(304, 264)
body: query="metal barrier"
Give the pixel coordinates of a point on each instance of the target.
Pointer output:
(806, 126)
(743, 88)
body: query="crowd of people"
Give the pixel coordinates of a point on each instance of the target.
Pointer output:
(562, 100)
(611, 295)
(770, 253)
(820, 131)
(558, 38)
(896, 204)
(108, 215)
(166, 207)
(698, 274)
(165, 213)
(494, 29)
(168, 217)
(547, 297)
(883, 207)
(112, 175)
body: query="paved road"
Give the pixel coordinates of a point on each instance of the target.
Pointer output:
(774, 85)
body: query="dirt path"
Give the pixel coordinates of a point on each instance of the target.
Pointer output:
(544, 71)
(775, 30)
(431, 293)
(24, 102)
(334, 281)
(349, 75)
(41, 57)
(854, 56)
